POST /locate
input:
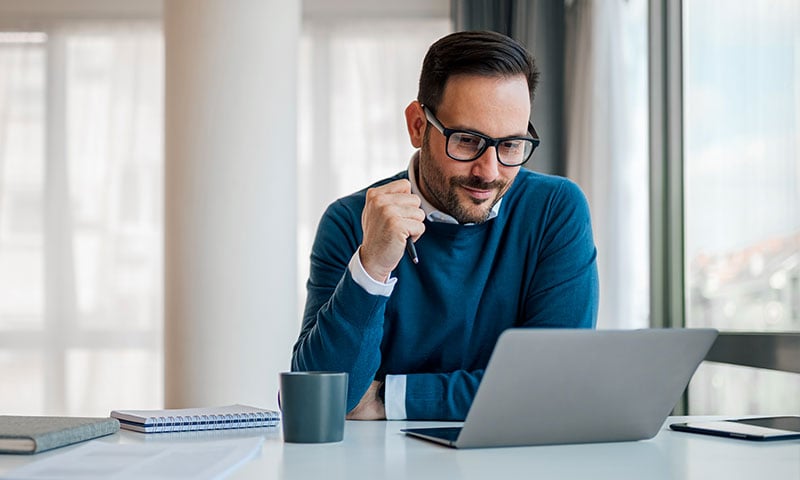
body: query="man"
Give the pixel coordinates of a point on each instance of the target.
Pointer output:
(498, 247)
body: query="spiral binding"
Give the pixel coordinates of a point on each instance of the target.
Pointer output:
(210, 422)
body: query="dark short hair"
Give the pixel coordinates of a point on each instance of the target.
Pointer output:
(481, 53)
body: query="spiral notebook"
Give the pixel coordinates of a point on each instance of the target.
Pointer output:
(194, 419)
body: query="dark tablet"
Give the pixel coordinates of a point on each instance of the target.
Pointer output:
(760, 428)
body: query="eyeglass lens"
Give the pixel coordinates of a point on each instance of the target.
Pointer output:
(465, 146)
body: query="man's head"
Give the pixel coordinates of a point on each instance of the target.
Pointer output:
(480, 82)
(486, 54)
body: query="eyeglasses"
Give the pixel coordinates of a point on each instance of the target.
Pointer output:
(466, 146)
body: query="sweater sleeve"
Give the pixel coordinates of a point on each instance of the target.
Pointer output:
(441, 396)
(342, 323)
(564, 290)
(562, 293)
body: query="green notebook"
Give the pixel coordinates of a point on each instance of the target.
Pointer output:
(37, 434)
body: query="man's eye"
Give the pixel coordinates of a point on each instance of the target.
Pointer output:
(468, 141)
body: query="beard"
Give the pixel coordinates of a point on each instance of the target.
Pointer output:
(444, 192)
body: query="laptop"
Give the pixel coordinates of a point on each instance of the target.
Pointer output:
(548, 387)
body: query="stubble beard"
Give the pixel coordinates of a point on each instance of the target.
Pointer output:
(444, 192)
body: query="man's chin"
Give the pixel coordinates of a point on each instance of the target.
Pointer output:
(474, 213)
(474, 210)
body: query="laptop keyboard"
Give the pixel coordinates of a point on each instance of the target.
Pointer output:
(446, 433)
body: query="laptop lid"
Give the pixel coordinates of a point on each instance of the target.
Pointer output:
(579, 386)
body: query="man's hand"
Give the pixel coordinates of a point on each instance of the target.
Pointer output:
(370, 407)
(391, 214)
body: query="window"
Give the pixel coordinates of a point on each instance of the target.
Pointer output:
(80, 217)
(741, 68)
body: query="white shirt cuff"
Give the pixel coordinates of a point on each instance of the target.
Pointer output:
(362, 278)
(395, 397)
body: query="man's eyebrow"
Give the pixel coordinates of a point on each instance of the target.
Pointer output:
(472, 130)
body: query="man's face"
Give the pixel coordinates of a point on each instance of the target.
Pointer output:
(494, 106)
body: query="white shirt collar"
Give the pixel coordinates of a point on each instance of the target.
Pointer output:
(431, 213)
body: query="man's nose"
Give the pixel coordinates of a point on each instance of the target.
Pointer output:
(487, 167)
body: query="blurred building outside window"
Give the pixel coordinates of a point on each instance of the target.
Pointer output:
(742, 191)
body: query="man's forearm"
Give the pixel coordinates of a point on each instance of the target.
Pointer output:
(344, 334)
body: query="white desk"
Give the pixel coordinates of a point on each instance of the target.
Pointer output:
(377, 450)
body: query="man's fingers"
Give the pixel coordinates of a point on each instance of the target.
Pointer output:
(398, 186)
(417, 214)
(390, 216)
(378, 199)
(402, 205)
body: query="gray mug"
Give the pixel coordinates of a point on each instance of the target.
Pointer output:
(313, 406)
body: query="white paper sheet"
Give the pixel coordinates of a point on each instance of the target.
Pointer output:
(120, 461)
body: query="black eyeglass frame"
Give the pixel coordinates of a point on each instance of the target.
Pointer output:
(490, 142)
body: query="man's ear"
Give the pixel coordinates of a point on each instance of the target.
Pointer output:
(416, 123)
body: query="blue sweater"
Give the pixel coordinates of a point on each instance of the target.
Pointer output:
(531, 266)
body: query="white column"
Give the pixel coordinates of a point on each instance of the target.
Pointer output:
(230, 234)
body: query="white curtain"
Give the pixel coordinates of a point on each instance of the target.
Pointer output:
(606, 146)
(357, 77)
(80, 217)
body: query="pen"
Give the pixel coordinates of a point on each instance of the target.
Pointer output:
(412, 250)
